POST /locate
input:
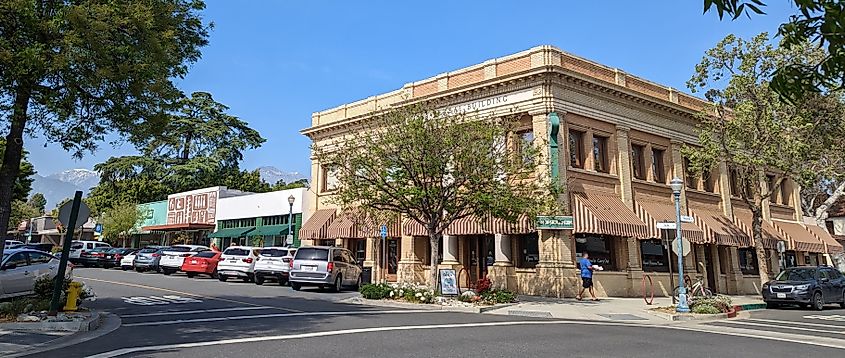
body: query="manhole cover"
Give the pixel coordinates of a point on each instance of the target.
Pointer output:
(540, 314)
(623, 317)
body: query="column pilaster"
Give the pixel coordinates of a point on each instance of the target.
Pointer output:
(623, 153)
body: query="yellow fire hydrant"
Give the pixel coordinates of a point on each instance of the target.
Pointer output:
(73, 296)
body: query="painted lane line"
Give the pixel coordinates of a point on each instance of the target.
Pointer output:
(782, 327)
(188, 294)
(172, 313)
(272, 315)
(752, 334)
(828, 326)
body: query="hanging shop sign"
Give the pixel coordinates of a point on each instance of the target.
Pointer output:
(556, 222)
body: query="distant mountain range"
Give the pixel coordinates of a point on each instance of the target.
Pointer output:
(56, 187)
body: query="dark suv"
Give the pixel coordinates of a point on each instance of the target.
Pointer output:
(805, 286)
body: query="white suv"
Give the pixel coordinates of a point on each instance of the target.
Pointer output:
(172, 258)
(79, 249)
(237, 261)
(273, 263)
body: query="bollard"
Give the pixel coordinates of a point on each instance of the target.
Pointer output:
(73, 296)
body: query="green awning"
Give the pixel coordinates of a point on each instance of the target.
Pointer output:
(270, 230)
(232, 232)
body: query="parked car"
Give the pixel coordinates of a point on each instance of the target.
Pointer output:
(95, 257)
(12, 244)
(237, 261)
(113, 257)
(172, 258)
(147, 258)
(128, 260)
(324, 266)
(202, 263)
(20, 267)
(812, 286)
(273, 263)
(77, 248)
(38, 247)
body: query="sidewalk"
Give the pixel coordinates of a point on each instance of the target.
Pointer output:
(607, 309)
(18, 341)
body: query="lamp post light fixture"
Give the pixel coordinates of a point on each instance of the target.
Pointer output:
(678, 185)
(291, 200)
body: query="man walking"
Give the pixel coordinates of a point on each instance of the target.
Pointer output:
(586, 276)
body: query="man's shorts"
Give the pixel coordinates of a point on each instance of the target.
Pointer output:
(587, 282)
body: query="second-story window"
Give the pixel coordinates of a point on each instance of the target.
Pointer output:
(785, 192)
(330, 180)
(658, 170)
(525, 141)
(637, 161)
(709, 181)
(576, 149)
(600, 163)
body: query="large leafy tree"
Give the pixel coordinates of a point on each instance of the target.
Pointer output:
(433, 167)
(764, 139)
(281, 185)
(119, 221)
(76, 70)
(38, 201)
(816, 21)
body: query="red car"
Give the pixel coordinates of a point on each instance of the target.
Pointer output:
(202, 263)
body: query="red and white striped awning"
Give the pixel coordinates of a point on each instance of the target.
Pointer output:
(606, 214)
(652, 211)
(718, 228)
(316, 227)
(800, 239)
(744, 219)
(472, 225)
(830, 243)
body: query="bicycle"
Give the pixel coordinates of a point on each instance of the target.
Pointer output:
(695, 289)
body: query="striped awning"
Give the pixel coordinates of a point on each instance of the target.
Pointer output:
(651, 212)
(800, 239)
(606, 214)
(355, 224)
(316, 228)
(744, 219)
(468, 225)
(473, 226)
(718, 229)
(830, 243)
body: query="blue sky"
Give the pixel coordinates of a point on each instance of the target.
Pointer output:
(275, 62)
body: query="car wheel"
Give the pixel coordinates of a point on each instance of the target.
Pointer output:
(772, 305)
(222, 278)
(259, 280)
(283, 282)
(214, 274)
(190, 274)
(295, 286)
(338, 284)
(138, 269)
(818, 301)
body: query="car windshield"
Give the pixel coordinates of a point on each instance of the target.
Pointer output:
(115, 251)
(77, 245)
(312, 254)
(180, 248)
(799, 274)
(206, 254)
(101, 249)
(274, 252)
(236, 252)
(148, 250)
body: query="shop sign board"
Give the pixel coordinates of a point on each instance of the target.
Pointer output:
(448, 282)
(560, 222)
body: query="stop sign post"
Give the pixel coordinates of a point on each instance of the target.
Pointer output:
(68, 215)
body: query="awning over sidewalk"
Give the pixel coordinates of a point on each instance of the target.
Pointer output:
(652, 211)
(718, 228)
(606, 214)
(316, 227)
(800, 238)
(270, 230)
(355, 224)
(472, 225)
(234, 232)
(830, 243)
(744, 219)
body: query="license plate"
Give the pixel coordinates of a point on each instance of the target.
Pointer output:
(309, 268)
(781, 295)
(193, 261)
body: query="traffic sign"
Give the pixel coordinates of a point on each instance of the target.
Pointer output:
(687, 219)
(686, 246)
(383, 231)
(289, 239)
(82, 218)
(666, 225)
(781, 247)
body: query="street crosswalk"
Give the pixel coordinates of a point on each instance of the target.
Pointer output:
(814, 326)
(833, 317)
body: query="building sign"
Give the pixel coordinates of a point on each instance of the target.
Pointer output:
(193, 208)
(490, 102)
(556, 222)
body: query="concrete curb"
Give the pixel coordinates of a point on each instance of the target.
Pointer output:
(89, 324)
(423, 306)
(684, 317)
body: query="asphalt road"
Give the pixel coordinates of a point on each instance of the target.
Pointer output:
(173, 316)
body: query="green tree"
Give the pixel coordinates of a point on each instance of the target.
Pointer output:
(22, 211)
(75, 71)
(763, 139)
(281, 185)
(38, 202)
(816, 21)
(245, 180)
(119, 221)
(26, 172)
(433, 167)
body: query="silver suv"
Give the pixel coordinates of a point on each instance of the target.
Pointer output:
(324, 266)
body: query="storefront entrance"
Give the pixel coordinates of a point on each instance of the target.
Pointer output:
(710, 266)
(477, 255)
(394, 250)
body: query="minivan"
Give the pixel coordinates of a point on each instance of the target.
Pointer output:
(324, 266)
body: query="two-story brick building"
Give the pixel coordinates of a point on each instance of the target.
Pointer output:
(620, 140)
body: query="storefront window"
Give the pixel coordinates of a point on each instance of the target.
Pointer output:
(599, 248)
(528, 250)
(359, 251)
(748, 261)
(654, 256)
(790, 259)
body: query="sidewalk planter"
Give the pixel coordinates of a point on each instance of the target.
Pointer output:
(418, 294)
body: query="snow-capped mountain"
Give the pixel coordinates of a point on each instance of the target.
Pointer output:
(272, 175)
(56, 187)
(84, 178)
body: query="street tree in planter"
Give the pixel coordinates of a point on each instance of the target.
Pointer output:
(434, 167)
(75, 71)
(763, 139)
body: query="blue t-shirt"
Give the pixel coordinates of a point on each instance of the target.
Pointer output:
(585, 268)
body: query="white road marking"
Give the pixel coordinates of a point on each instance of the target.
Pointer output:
(790, 328)
(158, 300)
(833, 317)
(272, 315)
(789, 322)
(170, 313)
(119, 352)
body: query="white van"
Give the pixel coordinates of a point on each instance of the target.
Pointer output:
(237, 261)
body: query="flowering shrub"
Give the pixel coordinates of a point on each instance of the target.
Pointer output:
(483, 285)
(717, 304)
(401, 291)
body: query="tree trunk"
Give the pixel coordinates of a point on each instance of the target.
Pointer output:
(12, 157)
(186, 152)
(757, 231)
(821, 211)
(434, 241)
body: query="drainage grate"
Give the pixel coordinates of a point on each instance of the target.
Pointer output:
(539, 314)
(623, 317)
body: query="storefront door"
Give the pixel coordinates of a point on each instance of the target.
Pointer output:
(477, 256)
(393, 252)
(711, 267)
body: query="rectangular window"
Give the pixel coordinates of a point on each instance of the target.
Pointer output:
(599, 248)
(785, 193)
(691, 178)
(330, 180)
(637, 161)
(526, 140)
(274, 220)
(528, 250)
(748, 261)
(654, 256)
(658, 170)
(735, 182)
(709, 181)
(600, 163)
(359, 250)
(576, 149)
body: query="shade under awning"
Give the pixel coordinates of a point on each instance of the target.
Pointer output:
(800, 239)
(771, 236)
(234, 232)
(605, 213)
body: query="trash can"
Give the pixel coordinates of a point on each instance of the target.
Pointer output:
(367, 275)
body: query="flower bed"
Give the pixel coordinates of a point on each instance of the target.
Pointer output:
(482, 295)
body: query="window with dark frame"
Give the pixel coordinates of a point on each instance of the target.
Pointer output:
(654, 256)
(576, 149)
(360, 251)
(427, 260)
(785, 192)
(600, 249)
(600, 163)
(525, 141)
(735, 183)
(637, 161)
(748, 261)
(708, 180)
(658, 169)
(528, 250)
(330, 180)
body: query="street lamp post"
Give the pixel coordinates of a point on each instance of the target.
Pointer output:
(677, 185)
(291, 200)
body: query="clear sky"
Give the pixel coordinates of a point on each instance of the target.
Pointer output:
(275, 62)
